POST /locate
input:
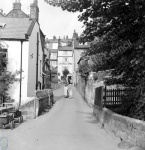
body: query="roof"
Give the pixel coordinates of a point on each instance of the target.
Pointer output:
(65, 48)
(53, 50)
(1, 15)
(16, 28)
(15, 13)
(52, 41)
(82, 46)
(65, 40)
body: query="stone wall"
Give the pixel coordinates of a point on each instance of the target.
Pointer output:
(36, 106)
(87, 89)
(130, 130)
(127, 129)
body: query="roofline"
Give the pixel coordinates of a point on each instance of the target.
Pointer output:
(77, 47)
(11, 39)
(31, 28)
(2, 15)
(20, 10)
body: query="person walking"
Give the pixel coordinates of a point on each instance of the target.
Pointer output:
(65, 91)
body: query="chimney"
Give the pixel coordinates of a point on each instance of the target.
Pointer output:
(34, 10)
(75, 35)
(17, 5)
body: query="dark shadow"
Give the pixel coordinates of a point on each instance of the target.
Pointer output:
(7, 126)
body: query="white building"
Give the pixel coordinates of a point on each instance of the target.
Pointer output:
(65, 56)
(25, 49)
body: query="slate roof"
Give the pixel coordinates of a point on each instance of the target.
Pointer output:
(1, 15)
(15, 13)
(16, 28)
(53, 50)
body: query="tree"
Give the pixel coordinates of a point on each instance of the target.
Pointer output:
(6, 78)
(114, 23)
(65, 72)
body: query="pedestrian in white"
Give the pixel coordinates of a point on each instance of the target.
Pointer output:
(70, 93)
(65, 90)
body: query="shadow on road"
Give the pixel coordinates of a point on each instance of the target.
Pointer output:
(90, 117)
(56, 98)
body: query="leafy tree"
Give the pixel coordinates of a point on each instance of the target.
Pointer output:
(65, 72)
(6, 79)
(110, 24)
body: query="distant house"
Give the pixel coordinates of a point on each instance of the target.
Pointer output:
(24, 45)
(79, 50)
(52, 45)
(65, 56)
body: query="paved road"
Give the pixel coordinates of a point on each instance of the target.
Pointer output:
(69, 125)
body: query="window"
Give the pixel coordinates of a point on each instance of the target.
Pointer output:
(3, 55)
(65, 52)
(54, 63)
(65, 59)
(53, 55)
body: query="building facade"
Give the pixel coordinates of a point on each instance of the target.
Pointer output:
(25, 44)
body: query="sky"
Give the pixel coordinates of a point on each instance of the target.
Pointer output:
(52, 20)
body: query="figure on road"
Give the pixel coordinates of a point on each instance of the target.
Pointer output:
(70, 93)
(66, 91)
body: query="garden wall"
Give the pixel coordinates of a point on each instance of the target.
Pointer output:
(35, 107)
(127, 129)
(87, 89)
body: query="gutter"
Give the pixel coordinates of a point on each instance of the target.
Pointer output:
(37, 61)
(21, 61)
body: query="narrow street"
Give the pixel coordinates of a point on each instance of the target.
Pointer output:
(69, 125)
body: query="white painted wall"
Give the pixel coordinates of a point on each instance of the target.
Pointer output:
(32, 61)
(29, 51)
(62, 64)
(14, 60)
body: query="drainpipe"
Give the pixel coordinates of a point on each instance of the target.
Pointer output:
(21, 74)
(37, 61)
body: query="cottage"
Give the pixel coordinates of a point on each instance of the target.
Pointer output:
(24, 45)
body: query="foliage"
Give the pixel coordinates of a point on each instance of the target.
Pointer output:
(110, 24)
(6, 78)
(84, 68)
(65, 72)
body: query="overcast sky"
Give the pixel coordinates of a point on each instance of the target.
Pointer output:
(53, 21)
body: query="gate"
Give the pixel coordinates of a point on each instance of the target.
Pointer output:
(112, 97)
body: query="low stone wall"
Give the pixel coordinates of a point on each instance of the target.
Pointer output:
(127, 129)
(87, 89)
(36, 106)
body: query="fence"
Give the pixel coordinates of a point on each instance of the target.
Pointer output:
(109, 97)
(1, 99)
(113, 96)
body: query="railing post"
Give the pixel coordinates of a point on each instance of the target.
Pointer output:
(105, 96)
(99, 97)
(35, 105)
